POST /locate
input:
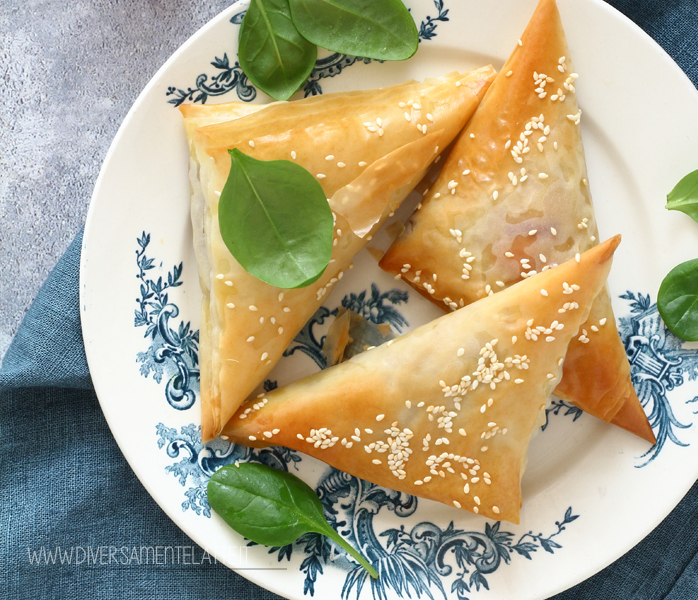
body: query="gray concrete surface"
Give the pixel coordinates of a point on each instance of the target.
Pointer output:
(70, 72)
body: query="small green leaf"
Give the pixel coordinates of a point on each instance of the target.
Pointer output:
(381, 29)
(684, 196)
(275, 220)
(677, 300)
(271, 507)
(273, 55)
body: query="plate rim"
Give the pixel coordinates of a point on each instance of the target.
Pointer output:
(667, 63)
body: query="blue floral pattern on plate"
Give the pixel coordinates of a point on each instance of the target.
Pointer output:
(230, 77)
(420, 561)
(416, 561)
(426, 558)
(172, 353)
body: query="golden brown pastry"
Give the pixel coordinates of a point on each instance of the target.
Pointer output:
(513, 200)
(367, 150)
(447, 411)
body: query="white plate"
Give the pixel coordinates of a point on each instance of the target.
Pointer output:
(640, 128)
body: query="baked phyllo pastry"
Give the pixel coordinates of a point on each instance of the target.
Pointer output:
(366, 149)
(447, 411)
(513, 200)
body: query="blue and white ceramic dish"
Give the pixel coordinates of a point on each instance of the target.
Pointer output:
(591, 491)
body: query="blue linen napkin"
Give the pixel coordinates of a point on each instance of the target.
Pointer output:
(65, 482)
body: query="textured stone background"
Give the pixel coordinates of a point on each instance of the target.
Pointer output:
(71, 70)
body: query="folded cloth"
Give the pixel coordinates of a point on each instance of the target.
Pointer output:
(65, 482)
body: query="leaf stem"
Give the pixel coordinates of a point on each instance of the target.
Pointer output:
(333, 535)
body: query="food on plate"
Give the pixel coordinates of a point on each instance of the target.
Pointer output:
(271, 507)
(677, 300)
(276, 221)
(367, 150)
(447, 411)
(513, 200)
(351, 334)
(677, 297)
(277, 41)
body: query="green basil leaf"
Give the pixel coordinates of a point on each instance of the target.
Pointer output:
(381, 29)
(275, 220)
(677, 300)
(271, 507)
(684, 196)
(273, 55)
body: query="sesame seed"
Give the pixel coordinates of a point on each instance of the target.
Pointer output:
(251, 144)
(602, 321)
(518, 380)
(509, 73)
(472, 136)
(229, 283)
(520, 43)
(456, 504)
(286, 309)
(577, 257)
(543, 293)
(362, 163)
(380, 417)
(513, 339)
(376, 461)
(280, 330)
(293, 154)
(252, 438)
(264, 356)
(220, 276)
(533, 232)
(250, 339)
(408, 118)
(542, 175)
(230, 305)
(495, 195)
(320, 176)
(462, 432)
(461, 351)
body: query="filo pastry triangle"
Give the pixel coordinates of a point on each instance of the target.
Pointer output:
(445, 412)
(513, 200)
(367, 150)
